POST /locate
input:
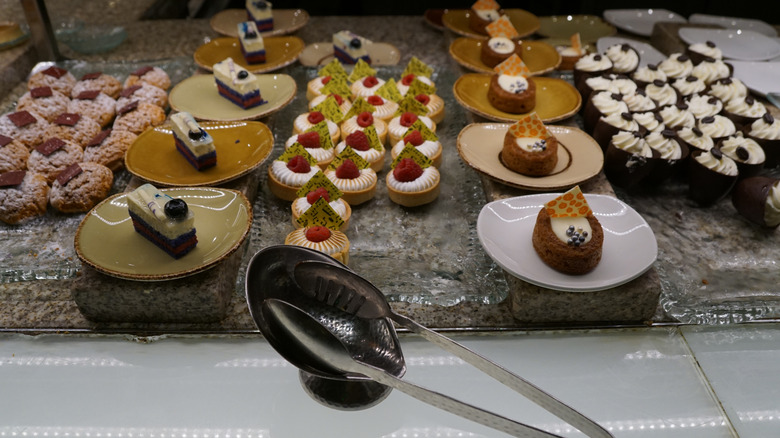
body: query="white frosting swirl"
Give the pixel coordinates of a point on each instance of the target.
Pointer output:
(772, 207)
(746, 107)
(663, 95)
(668, 148)
(675, 117)
(632, 143)
(604, 102)
(730, 146)
(689, 85)
(501, 45)
(639, 102)
(710, 72)
(649, 74)
(761, 128)
(593, 62)
(707, 49)
(724, 165)
(612, 83)
(703, 141)
(717, 126)
(728, 89)
(624, 58)
(429, 178)
(365, 180)
(649, 121)
(702, 105)
(619, 121)
(290, 178)
(676, 66)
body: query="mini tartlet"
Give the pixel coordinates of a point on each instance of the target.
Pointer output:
(302, 204)
(358, 185)
(286, 178)
(331, 242)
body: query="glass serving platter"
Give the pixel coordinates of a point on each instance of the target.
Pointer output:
(42, 249)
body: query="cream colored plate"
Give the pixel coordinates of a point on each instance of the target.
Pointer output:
(540, 57)
(198, 96)
(457, 20)
(322, 53)
(241, 147)
(279, 52)
(590, 27)
(579, 156)
(285, 21)
(556, 99)
(106, 240)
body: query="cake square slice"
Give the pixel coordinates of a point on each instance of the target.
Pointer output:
(192, 141)
(349, 47)
(165, 221)
(252, 45)
(236, 84)
(261, 12)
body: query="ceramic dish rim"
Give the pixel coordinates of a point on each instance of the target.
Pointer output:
(478, 69)
(473, 34)
(274, 32)
(582, 17)
(259, 68)
(315, 45)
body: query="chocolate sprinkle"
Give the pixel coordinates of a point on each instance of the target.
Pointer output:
(668, 133)
(99, 138)
(88, 95)
(55, 72)
(90, 76)
(716, 153)
(127, 92)
(69, 173)
(50, 146)
(697, 131)
(627, 116)
(708, 119)
(67, 119)
(12, 178)
(41, 92)
(691, 79)
(742, 153)
(143, 70)
(5, 140)
(21, 118)
(128, 108)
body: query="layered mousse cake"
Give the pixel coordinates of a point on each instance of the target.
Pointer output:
(567, 236)
(261, 13)
(252, 45)
(237, 84)
(193, 142)
(165, 221)
(349, 47)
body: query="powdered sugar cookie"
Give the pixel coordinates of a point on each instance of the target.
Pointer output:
(45, 101)
(23, 196)
(151, 75)
(74, 127)
(109, 147)
(142, 92)
(94, 104)
(137, 117)
(55, 77)
(13, 154)
(80, 186)
(53, 156)
(26, 126)
(97, 81)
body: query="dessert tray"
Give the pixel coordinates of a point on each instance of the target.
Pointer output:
(556, 99)
(285, 21)
(735, 23)
(540, 57)
(280, 51)
(198, 96)
(579, 157)
(742, 45)
(647, 53)
(322, 53)
(106, 240)
(640, 21)
(630, 247)
(457, 20)
(241, 148)
(590, 27)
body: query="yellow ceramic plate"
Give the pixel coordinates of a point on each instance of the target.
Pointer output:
(322, 53)
(241, 147)
(556, 99)
(457, 20)
(590, 27)
(579, 156)
(539, 57)
(279, 52)
(285, 21)
(106, 240)
(198, 96)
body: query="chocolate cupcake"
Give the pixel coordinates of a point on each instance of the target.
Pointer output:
(590, 65)
(700, 51)
(648, 74)
(627, 159)
(662, 93)
(744, 111)
(601, 104)
(670, 153)
(717, 127)
(609, 125)
(625, 59)
(766, 132)
(677, 65)
(757, 199)
(711, 176)
(748, 154)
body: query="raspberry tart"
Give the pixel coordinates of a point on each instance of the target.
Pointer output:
(285, 178)
(430, 148)
(411, 185)
(331, 242)
(366, 86)
(313, 144)
(306, 121)
(362, 121)
(400, 124)
(358, 185)
(304, 203)
(360, 143)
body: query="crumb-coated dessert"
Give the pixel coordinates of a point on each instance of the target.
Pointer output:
(411, 184)
(80, 187)
(567, 236)
(55, 77)
(23, 196)
(165, 221)
(109, 147)
(331, 242)
(74, 127)
(137, 117)
(142, 92)
(53, 156)
(94, 104)
(45, 101)
(97, 81)
(25, 126)
(758, 200)
(151, 75)
(529, 148)
(13, 154)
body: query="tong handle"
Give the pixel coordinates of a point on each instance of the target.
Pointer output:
(508, 378)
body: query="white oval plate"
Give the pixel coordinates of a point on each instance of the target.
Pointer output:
(735, 23)
(760, 77)
(640, 21)
(743, 45)
(504, 228)
(647, 53)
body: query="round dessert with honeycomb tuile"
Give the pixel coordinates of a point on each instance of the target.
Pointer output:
(512, 94)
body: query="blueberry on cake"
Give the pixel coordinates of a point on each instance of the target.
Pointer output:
(349, 47)
(165, 221)
(237, 84)
(252, 45)
(261, 13)
(193, 141)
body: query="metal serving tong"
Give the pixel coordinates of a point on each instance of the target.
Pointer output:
(342, 288)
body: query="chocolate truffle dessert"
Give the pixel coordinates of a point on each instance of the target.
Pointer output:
(758, 200)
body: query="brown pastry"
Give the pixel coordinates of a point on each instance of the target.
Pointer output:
(530, 156)
(53, 156)
(80, 186)
(23, 196)
(521, 100)
(97, 81)
(13, 154)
